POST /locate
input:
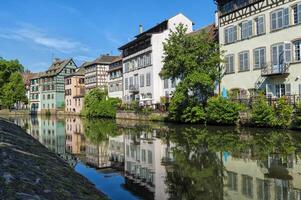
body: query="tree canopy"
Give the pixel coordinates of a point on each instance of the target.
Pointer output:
(12, 87)
(194, 60)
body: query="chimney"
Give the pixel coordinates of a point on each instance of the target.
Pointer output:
(140, 28)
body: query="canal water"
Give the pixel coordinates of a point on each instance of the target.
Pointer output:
(143, 160)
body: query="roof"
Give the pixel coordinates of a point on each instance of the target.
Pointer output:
(211, 30)
(159, 28)
(103, 59)
(36, 75)
(117, 59)
(56, 67)
(79, 72)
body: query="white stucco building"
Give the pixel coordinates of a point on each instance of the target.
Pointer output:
(115, 89)
(261, 40)
(142, 63)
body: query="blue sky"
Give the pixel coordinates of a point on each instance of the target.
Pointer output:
(35, 31)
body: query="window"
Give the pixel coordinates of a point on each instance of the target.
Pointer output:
(278, 90)
(131, 81)
(246, 29)
(244, 61)
(259, 58)
(247, 186)
(229, 64)
(281, 53)
(165, 83)
(141, 80)
(149, 157)
(126, 83)
(279, 19)
(143, 155)
(230, 34)
(297, 13)
(297, 46)
(263, 191)
(148, 79)
(232, 181)
(260, 25)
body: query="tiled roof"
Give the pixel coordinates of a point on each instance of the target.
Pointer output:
(210, 29)
(103, 59)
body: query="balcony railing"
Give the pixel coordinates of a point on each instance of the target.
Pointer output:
(274, 70)
(134, 88)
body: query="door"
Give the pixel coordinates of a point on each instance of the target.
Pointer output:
(277, 58)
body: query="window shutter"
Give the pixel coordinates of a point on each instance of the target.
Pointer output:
(235, 33)
(287, 52)
(232, 63)
(299, 13)
(286, 16)
(250, 28)
(300, 90)
(226, 36)
(241, 62)
(287, 89)
(262, 58)
(270, 90)
(274, 21)
(256, 59)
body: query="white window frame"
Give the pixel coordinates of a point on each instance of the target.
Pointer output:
(258, 23)
(230, 34)
(297, 50)
(281, 15)
(246, 29)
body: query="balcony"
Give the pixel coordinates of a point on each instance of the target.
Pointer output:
(134, 88)
(275, 70)
(229, 6)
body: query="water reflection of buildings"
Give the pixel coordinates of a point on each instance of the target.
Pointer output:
(274, 178)
(144, 172)
(75, 138)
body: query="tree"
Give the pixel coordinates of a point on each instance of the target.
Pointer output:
(10, 82)
(14, 91)
(194, 60)
(98, 104)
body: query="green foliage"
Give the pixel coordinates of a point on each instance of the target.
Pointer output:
(222, 111)
(194, 60)
(13, 91)
(98, 131)
(283, 113)
(194, 114)
(97, 104)
(265, 115)
(297, 117)
(262, 113)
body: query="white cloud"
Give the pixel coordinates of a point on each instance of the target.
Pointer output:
(29, 33)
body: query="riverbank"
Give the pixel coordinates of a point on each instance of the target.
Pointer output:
(28, 170)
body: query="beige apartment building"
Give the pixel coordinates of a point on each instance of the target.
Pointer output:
(75, 91)
(261, 41)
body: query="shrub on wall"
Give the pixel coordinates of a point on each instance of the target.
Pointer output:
(283, 113)
(262, 113)
(222, 111)
(297, 117)
(97, 104)
(193, 114)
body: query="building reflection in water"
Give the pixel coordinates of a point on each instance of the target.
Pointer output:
(168, 162)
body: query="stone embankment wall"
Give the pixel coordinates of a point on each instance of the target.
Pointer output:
(131, 115)
(28, 170)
